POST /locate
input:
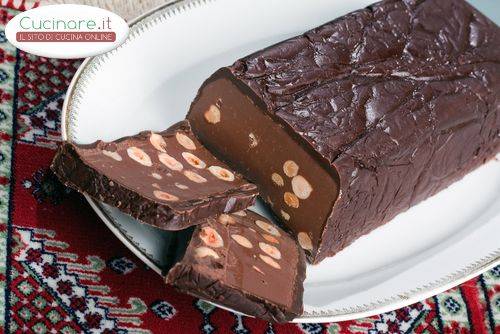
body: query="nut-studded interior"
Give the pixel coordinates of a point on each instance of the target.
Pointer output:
(247, 252)
(170, 167)
(300, 191)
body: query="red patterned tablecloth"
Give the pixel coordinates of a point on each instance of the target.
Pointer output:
(62, 271)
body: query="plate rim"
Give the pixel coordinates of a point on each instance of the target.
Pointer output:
(154, 16)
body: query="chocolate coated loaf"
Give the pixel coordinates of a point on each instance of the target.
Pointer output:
(353, 122)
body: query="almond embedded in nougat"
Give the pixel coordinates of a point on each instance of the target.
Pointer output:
(301, 187)
(221, 173)
(291, 200)
(211, 237)
(140, 156)
(270, 238)
(203, 251)
(185, 141)
(285, 215)
(270, 250)
(212, 115)
(164, 196)
(158, 142)
(242, 241)
(277, 179)
(170, 161)
(268, 227)
(226, 219)
(112, 154)
(240, 213)
(305, 241)
(156, 176)
(253, 140)
(181, 186)
(270, 261)
(193, 160)
(290, 168)
(195, 177)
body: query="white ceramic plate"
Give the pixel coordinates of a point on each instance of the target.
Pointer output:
(149, 82)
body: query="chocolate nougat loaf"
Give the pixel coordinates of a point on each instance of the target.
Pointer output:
(355, 121)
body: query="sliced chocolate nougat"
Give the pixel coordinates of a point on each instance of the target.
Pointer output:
(355, 121)
(167, 179)
(246, 263)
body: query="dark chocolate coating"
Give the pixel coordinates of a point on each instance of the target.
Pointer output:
(400, 99)
(230, 279)
(130, 186)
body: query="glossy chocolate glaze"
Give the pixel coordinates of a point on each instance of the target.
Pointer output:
(399, 99)
(244, 262)
(168, 181)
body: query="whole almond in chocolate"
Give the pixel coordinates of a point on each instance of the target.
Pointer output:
(360, 118)
(212, 115)
(234, 264)
(165, 179)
